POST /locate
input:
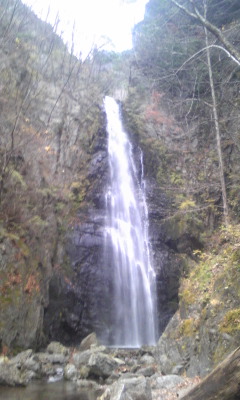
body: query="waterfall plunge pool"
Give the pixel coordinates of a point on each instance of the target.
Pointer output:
(38, 390)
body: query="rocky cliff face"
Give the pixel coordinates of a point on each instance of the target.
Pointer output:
(51, 113)
(74, 307)
(83, 303)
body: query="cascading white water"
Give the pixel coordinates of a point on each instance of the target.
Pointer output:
(126, 242)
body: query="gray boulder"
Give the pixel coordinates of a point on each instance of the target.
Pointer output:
(102, 365)
(81, 358)
(45, 358)
(25, 361)
(147, 359)
(11, 375)
(166, 382)
(21, 358)
(57, 348)
(88, 341)
(129, 389)
(70, 372)
(147, 371)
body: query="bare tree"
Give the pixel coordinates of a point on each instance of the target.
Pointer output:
(193, 11)
(216, 124)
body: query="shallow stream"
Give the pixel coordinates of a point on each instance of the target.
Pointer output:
(60, 390)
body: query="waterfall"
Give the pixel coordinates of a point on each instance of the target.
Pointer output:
(127, 251)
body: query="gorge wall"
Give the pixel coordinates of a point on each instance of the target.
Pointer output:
(83, 303)
(54, 171)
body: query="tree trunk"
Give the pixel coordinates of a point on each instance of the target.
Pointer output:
(223, 383)
(217, 131)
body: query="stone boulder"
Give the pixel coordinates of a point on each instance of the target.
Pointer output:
(11, 375)
(81, 358)
(147, 371)
(147, 359)
(167, 382)
(26, 363)
(87, 342)
(57, 348)
(136, 388)
(102, 365)
(70, 372)
(45, 358)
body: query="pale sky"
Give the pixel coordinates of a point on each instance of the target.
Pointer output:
(96, 21)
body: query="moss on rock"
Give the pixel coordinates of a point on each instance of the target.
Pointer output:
(231, 321)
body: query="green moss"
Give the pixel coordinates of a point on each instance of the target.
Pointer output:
(231, 321)
(78, 190)
(66, 266)
(59, 206)
(236, 256)
(186, 204)
(4, 234)
(176, 178)
(48, 191)
(17, 178)
(187, 296)
(202, 276)
(23, 247)
(75, 187)
(188, 327)
(6, 300)
(38, 221)
(220, 353)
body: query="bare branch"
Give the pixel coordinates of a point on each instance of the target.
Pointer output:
(207, 48)
(235, 55)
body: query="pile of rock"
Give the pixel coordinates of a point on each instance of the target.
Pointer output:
(108, 373)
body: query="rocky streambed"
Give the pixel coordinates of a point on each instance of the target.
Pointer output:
(92, 371)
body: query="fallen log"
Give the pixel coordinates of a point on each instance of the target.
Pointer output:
(223, 383)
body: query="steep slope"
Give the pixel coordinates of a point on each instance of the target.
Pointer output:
(169, 112)
(50, 115)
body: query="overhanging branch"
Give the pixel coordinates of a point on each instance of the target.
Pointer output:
(233, 52)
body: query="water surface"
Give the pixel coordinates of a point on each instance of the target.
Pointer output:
(60, 390)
